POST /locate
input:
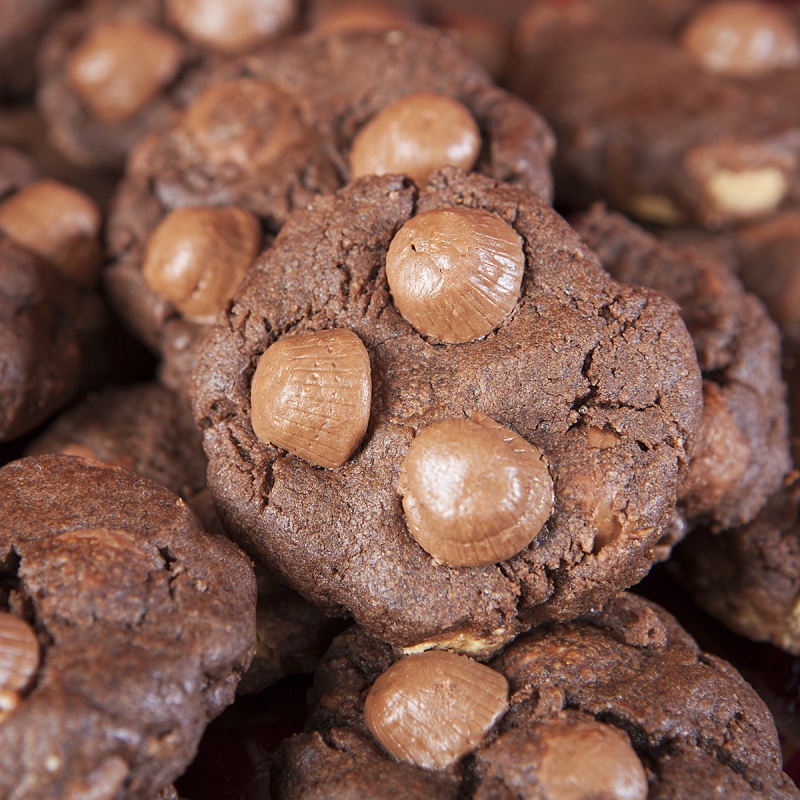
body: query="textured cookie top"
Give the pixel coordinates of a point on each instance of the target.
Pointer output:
(145, 623)
(629, 669)
(601, 378)
(742, 454)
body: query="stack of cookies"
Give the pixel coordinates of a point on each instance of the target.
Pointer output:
(398, 397)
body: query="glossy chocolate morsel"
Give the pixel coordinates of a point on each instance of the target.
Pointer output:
(19, 653)
(121, 65)
(587, 760)
(455, 274)
(243, 123)
(58, 223)
(230, 26)
(415, 136)
(742, 38)
(360, 17)
(311, 395)
(432, 708)
(197, 256)
(474, 492)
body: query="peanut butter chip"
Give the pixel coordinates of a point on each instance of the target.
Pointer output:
(415, 136)
(311, 395)
(19, 653)
(455, 274)
(197, 256)
(360, 17)
(58, 223)
(474, 492)
(248, 123)
(742, 38)
(589, 760)
(230, 26)
(433, 708)
(120, 66)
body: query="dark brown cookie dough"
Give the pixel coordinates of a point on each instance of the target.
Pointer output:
(749, 577)
(22, 25)
(145, 429)
(600, 377)
(325, 88)
(630, 669)
(145, 624)
(742, 451)
(672, 143)
(43, 328)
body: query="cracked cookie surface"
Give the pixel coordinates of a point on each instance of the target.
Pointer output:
(601, 377)
(145, 624)
(742, 454)
(696, 726)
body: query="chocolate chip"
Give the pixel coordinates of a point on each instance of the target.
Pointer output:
(19, 653)
(121, 65)
(433, 708)
(415, 136)
(247, 123)
(197, 256)
(58, 223)
(311, 395)
(360, 17)
(230, 26)
(455, 274)
(742, 38)
(474, 492)
(587, 760)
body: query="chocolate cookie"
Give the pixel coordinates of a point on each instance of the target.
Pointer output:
(149, 430)
(703, 134)
(275, 130)
(599, 379)
(618, 703)
(742, 452)
(43, 329)
(149, 50)
(144, 624)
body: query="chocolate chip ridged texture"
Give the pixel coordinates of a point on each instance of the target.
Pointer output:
(742, 452)
(40, 340)
(697, 728)
(145, 621)
(602, 378)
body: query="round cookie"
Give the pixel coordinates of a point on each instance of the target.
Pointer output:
(619, 703)
(601, 378)
(271, 132)
(144, 621)
(742, 452)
